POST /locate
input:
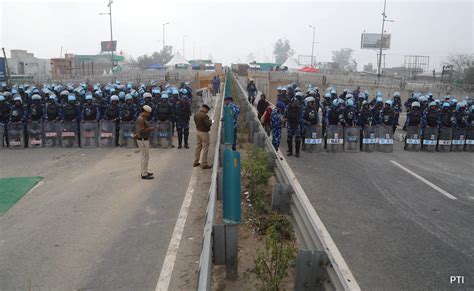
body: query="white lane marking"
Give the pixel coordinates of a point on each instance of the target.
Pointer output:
(171, 253)
(425, 181)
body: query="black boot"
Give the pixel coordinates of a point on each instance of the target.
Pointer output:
(186, 136)
(289, 152)
(180, 139)
(297, 145)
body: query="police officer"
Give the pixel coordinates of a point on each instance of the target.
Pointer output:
(90, 111)
(52, 110)
(447, 118)
(147, 100)
(183, 114)
(36, 108)
(71, 111)
(284, 96)
(112, 113)
(18, 112)
(377, 110)
(364, 119)
(129, 109)
(387, 115)
(430, 116)
(276, 123)
(397, 107)
(461, 115)
(350, 113)
(4, 117)
(165, 111)
(293, 114)
(309, 116)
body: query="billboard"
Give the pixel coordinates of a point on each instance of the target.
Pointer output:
(372, 41)
(108, 46)
(3, 71)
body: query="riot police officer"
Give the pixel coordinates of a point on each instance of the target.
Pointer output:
(71, 110)
(90, 111)
(36, 109)
(293, 118)
(52, 110)
(309, 116)
(183, 114)
(129, 109)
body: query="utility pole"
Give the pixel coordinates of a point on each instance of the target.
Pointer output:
(111, 35)
(312, 46)
(384, 19)
(164, 34)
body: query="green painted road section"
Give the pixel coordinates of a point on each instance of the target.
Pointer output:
(13, 189)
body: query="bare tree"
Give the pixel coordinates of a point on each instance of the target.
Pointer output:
(343, 58)
(282, 51)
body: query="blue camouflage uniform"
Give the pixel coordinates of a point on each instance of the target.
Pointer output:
(276, 124)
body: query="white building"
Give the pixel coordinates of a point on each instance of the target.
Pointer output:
(22, 62)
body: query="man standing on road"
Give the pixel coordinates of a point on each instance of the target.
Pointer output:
(203, 126)
(142, 135)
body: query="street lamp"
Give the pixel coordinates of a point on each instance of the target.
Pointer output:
(111, 36)
(312, 45)
(164, 34)
(384, 19)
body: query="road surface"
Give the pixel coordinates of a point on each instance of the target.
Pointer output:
(395, 230)
(93, 224)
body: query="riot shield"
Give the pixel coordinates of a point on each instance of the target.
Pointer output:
(369, 139)
(2, 136)
(469, 146)
(430, 139)
(126, 134)
(413, 139)
(335, 138)
(459, 139)
(385, 139)
(164, 134)
(89, 134)
(69, 134)
(107, 133)
(51, 134)
(16, 135)
(152, 138)
(352, 139)
(313, 139)
(445, 137)
(35, 134)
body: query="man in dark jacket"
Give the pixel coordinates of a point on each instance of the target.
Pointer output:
(203, 126)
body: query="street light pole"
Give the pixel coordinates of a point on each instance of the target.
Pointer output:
(381, 40)
(111, 35)
(164, 34)
(312, 46)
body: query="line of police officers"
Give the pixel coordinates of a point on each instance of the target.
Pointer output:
(115, 102)
(300, 110)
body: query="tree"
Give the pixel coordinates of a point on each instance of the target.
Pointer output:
(282, 51)
(343, 58)
(463, 64)
(143, 62)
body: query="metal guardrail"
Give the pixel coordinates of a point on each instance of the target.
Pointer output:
(206, 262)
(310, 230)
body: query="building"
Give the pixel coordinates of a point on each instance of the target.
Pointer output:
(72, 66)
(24, 63)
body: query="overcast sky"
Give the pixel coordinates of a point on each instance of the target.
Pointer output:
(231, 30)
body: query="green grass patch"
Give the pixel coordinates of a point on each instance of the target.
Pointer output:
(13, 189)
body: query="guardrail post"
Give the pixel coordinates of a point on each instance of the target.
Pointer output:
(281, 198)
(310, 267)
